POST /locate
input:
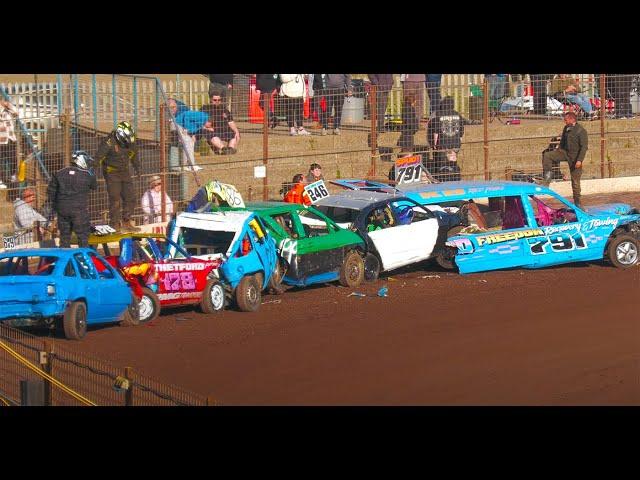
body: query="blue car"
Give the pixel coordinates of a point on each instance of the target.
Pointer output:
(515, 224)
(66, 287)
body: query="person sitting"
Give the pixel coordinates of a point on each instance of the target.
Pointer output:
(187, 124)
(25, 215)
(568, 87)
(296, 193)
(220, 130)
(152, 202)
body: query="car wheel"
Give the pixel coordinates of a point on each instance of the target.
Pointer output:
(131, 316)
(446, 258)
(74, 321)
(275, 282)
(248, 294)
(352, 270)
(371, 267)
(149, 306)
(213, 297)
(623, 251)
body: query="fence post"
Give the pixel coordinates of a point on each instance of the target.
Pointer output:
(265, 143)
(211, 401)
(163, 165)
(66, 138)
(603, 110)
(128, 395)
(46, 362)
(94, 99)
(373, 108)
(485, 122)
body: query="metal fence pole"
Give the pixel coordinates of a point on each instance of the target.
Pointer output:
(128, 395)
(373, 108)
(603, 110)
(76, 105)
(265, 144)
(66, 138)
(47, 367)
(94, 99)
(114, 101)
(163, 165)
(135, 104)
(485, 122)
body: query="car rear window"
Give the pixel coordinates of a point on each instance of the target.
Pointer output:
(339, 214)
(27, 265)
(206, 242)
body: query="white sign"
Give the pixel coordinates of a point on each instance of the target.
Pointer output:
(260, 171)
(9, 242)
(316, 191)
(228, 193)
(408, 169)
(103, 229)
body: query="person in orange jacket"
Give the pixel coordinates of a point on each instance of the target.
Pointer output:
(297, 194)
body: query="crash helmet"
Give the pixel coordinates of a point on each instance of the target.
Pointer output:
(82, 159)
(404, 214)
(124, 134)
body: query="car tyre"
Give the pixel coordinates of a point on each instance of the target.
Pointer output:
(74, 321)
(248, 294)
(352, 270)
(275, 282)
(149, 306)
(131, 316)
(623, 251)
(213, 297)
(371, 267)
(446, 257)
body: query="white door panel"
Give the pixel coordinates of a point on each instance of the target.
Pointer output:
(405, 244)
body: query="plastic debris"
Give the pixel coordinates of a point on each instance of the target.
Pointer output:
(391, 279)
(357, 294)
(383, 292)
(271, 301)
(482, 281)
(430, 276)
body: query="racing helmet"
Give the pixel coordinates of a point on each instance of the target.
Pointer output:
(124, 134)
(82, 159)
(404, 214)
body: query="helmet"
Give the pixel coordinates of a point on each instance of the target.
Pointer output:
(405, 215)
(82, 159)
(124, 134)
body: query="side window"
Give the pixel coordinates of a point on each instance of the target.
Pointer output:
(285, 220)
(86, 271)
(70, 270)
(313, 224)
(103, 268)
(550, 211)
(245, 246)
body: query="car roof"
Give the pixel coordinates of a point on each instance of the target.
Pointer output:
(476, 188)
(227, 221)
(279, 206)
(116, 237)
(44, 252)
(357, 199)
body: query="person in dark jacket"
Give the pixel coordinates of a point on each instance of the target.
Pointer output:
(432, 83)
(114, 155)
(444, 135)
(573, 148)
(620, 88)
(68, 193)
(539, 83)
(335, 87)
(268, 84)
(384, 84)
(221, 84)
(409, 123)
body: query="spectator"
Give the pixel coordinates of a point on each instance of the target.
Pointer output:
(433, 82)
(220, 128)
(384, 84)
(337, 86)
(296, 193)
(570, 88)
(539, 83)
(8, 139)
(620, 88)
(25, 215)
(294, 91)
(187, 124)
(221, 84)
(497, 85)
(268, 84)
(444, 136)
(115, 154)
(68, 194)
(409, 123)
(573, 148)
(315, 173)
(152, 202)
(314, 100)
(414, 83)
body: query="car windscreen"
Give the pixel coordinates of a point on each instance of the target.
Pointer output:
(339, 214)
(27, 265)
(205, 242)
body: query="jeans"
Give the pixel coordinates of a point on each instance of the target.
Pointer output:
(580, 99)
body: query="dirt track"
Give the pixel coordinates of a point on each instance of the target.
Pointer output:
(559, 336)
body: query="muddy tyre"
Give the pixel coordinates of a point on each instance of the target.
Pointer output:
(131, 316)
(248, 294)
(74, 321)
(371, 267)
(446, 258)
(352, 270)
(623, 251)
(149, 306)
(213, 297)
(275, 282)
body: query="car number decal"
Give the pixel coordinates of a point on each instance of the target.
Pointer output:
(316, 191)
(103, 229)
(178, 281)
(408, 169)
(558, 243)
(9, 242)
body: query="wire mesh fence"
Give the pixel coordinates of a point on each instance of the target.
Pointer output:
(257, 134)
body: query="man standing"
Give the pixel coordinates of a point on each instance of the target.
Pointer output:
(114, 154)
(68, 194)
(414, 83)
(573, 148)
(337, 86)
(433, 90)
(384, 84)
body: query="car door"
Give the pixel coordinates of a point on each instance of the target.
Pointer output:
(319, 248)
(89, 287)
(115, 293)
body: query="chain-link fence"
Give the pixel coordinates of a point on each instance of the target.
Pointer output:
(357, 127)
(84, 380)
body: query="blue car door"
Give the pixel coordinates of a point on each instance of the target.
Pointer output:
(115, 292)
(89, 287)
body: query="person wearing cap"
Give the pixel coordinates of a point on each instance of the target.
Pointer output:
(24, 215)
(315, 173)
(152, 202)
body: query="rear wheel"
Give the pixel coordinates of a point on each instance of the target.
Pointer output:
(352, 270)
(74, 321)
(446, 257)
(149, 306)
(213, 297)
(248, 294)
(371, 267)
(623, 251)
(275, 282)
(131, 316)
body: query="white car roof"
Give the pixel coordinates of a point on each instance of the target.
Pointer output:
(214, 221)
(355, 199)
